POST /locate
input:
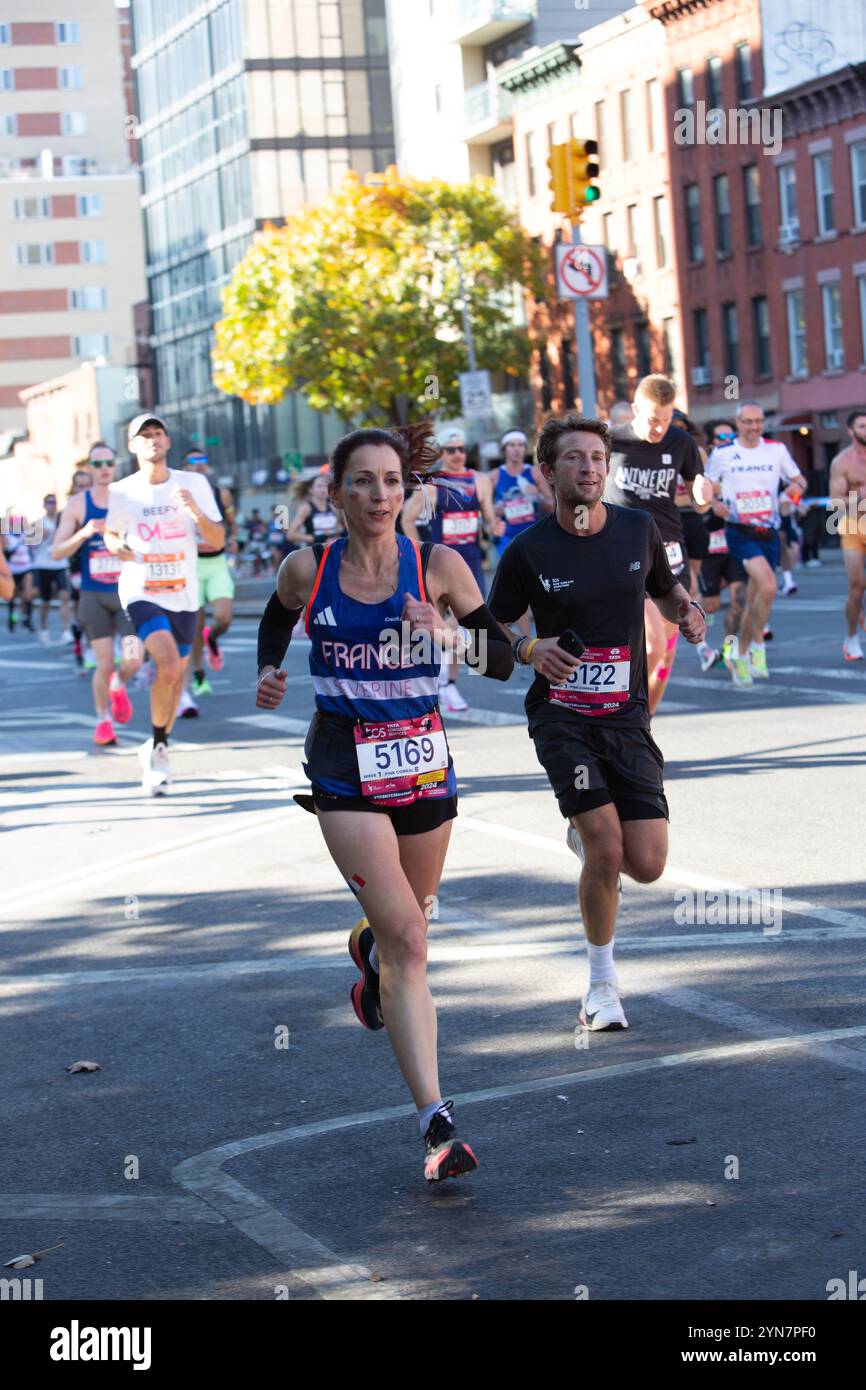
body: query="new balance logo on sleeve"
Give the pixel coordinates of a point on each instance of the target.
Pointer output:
(326, 617)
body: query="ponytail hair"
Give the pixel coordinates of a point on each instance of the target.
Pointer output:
(415, 446)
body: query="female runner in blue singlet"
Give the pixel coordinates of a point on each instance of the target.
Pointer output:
(383, 783)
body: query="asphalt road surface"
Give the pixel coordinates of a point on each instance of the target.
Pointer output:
(246, 1139)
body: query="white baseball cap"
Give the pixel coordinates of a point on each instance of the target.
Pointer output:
(451, 437)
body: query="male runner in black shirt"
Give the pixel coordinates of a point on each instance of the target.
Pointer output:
(589, 567)
(649, 455)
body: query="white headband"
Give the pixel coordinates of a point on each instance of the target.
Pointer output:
(511, 436)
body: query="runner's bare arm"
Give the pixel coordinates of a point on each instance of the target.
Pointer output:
(212, 532)
(678, 608)
(411, 512)
(493, 525)
(71, 531)
(839, 485)
(451, 584)
(7, 583)
(295, 531)
(117, 545)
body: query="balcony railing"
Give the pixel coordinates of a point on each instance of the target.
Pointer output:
(484, 21)
(486, 113)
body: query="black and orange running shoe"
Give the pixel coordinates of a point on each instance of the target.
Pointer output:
(365, 994)
(446, 1156)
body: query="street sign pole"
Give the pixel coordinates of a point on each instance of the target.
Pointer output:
(583, 345)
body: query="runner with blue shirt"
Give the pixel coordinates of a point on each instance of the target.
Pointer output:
(521, 496)
(383, 783)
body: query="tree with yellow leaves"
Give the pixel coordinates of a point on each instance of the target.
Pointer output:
(356, 302)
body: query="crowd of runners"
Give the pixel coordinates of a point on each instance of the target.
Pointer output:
(614, 542)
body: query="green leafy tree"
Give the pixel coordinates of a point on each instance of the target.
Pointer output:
(356, 300)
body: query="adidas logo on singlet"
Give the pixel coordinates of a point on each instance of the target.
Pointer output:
(326, 618)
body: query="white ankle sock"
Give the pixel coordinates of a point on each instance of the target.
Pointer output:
(601, 965)
(426, 1113)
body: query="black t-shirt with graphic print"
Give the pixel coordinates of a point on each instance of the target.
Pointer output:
(597, 586)
(645, 475)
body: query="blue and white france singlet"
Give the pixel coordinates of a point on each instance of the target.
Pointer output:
(357, 649)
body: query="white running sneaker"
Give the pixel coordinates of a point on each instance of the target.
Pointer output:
(601, 1010)
(155, 768)
(43, 636)
(709, 656)
(851, 648)
(451, 698)
(788, 583)
(67, 636)
(814, 564)
(187, 707)
(575, 844)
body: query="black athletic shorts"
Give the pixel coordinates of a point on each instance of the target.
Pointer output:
(330, 754)
(714, 569)
(694, 535)
(610, 764)
(51, 582)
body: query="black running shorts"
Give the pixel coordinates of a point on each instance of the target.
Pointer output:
(717, 567)
(695, 535)
(590, 764)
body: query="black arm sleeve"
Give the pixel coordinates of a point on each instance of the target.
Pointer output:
(275, 632)
(490, 653)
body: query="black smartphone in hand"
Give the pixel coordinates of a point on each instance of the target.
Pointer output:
(571, 643)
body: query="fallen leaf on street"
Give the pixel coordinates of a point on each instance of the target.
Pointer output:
(693, 1140)
(25, 1261)
(376, 1278)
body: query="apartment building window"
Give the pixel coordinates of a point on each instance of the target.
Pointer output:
(722, 200)
(90, 345)
(731, 333)
(761, 335)
(5, 33)
(714, 82)
(743, 65)
(686, 87)
(90, 205)
(795, 311)
(66, 31)
(73, 123)
(861, 291)
(601, 132)
(437, 98)
(534, 162)
(632, 229)
(8, 123)
(71, 79)
(702, 338)
(654, 115)
(660, 224)
(752, 200)
(625, 108)
(823, 166)
(668, 341)
(858, 182)
(693, 222)
(31, 207)
(7, 80)
(790, 222)
(89, 297)
(644, 348)
(834, 350)
(92, 252)
(35, 253)
(620, 367)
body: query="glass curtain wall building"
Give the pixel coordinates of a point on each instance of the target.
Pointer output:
(247, 110)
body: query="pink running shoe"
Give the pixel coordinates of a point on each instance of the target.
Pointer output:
(103, 734)
(212, 654)
(121, 705)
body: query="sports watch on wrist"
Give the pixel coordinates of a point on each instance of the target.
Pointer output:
(693, 603)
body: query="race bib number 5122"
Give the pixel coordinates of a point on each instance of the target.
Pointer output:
(600, 683)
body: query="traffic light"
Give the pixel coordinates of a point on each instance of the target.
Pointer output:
(573, 166)
(558, 184)
(583, 168)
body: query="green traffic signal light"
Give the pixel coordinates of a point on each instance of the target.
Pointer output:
(592, 194)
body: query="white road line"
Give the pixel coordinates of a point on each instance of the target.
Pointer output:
(324, 1270)
(85, 1206)
(799, 906)
(64, 757)
(110, 868)
(511, 948)
(859, 675)
(731, 1015)
(767, 690)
